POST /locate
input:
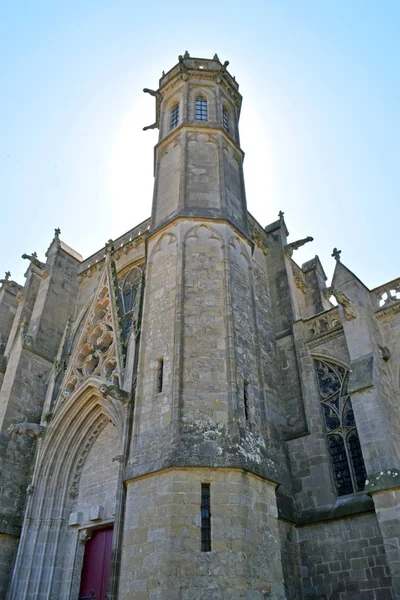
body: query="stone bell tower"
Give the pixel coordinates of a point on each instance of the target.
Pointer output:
(201, 514)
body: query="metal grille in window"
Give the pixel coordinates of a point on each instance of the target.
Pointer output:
(205, 518)
(225, 119)
(343, 442)
(175, 116)
(201, 109)
(129, 294)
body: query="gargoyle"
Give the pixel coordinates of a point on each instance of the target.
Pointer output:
(30, 429)
(159, 98)
(344, 301)
(10, 283)
(114, 392)
(224, 67)
(34, 260)
(289, 248)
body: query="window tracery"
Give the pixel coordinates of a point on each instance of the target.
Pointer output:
(343, 442)
(201, 108)
(129, 292)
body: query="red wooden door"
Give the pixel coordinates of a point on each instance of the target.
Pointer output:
(96, 565)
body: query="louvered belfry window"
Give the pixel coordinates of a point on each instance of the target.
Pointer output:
(201, 109)
(340, 426)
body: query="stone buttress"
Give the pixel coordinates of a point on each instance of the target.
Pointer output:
(40, 310)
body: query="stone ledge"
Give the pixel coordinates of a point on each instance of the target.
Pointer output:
(385, 480)
(204, 455)
(343, 507)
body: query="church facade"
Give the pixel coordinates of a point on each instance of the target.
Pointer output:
(188, 414)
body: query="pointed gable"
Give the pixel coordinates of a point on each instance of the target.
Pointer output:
(98, 351)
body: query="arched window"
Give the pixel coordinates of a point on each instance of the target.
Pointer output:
(225, 119)
(343, 442)
(201, 109)
(129, 288)
(175, 116)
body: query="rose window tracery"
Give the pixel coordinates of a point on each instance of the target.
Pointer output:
(343, 442)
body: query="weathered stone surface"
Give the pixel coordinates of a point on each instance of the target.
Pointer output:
(194, 350)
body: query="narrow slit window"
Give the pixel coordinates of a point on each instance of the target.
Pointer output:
(225, 119)
(246, 399)
(201, 109)
(175, 116)
(205, 518)
(160, 375)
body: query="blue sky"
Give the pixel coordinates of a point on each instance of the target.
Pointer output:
(320, 121)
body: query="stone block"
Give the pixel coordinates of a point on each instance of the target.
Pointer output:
(96, 513)
(75, 518)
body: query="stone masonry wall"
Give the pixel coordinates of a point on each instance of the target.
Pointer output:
(162, 555)
(8, 549)
(344, 560)
(94, 504)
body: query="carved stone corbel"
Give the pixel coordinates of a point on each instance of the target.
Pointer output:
(29, 429)
(114, 392)
(384, 352)
(85, 535)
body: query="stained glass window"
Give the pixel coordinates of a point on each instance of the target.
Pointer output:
(129, 287)
(175, 116)
(343, 442)
(201, 109)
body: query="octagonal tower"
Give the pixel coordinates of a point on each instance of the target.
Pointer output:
(201, 517)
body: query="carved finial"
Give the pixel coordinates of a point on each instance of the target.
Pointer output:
(162, 74)
(336, 254)
(57, 232)
(7, 275)
(280, 215)
(186, 55)
(216, 57)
